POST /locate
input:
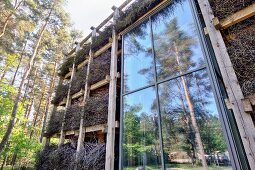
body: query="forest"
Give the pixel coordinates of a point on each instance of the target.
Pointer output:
(35, 36)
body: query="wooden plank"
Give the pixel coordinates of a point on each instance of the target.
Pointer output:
(100, 83)
(247, 105)
(102, 50)
(243, 120)
(101, 25)
(78, 94)
(110, 141)
(82, 64)
(63, 102)
(237, 17)
(96, 128)
(252, 99)
(160, 6)
(68, 75)
(97, 53)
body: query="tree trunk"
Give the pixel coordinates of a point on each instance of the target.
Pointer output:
(2, 77)
(17, 100)
(7, 20)
(20, 59)
(53, 80)
(192, 113)
(36, 115)
(4, 161)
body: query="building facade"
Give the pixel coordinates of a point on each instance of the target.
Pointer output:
(165, 85)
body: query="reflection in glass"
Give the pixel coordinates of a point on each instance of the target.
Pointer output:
(141, 146)
(192, 134)
(138, 58)
(176, 42)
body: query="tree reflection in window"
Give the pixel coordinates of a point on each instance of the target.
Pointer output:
(190, 121)
(137, 56)
(141, 147)
(176, 43)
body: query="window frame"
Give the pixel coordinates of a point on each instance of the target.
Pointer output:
(209, 66)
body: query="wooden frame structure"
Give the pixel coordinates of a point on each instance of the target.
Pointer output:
(241, 106)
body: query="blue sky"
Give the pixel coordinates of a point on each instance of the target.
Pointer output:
(87, 13)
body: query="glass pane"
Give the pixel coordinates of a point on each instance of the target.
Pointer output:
(141, 146)
(191, 130)
(138, 59)
(176, 41)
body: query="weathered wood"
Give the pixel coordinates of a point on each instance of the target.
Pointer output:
(228, 104)
(96, 128)
(100, 137)
(63, 102)
(68, 103)
(82, 64)
(103, 49)
(110, 142)
(82, 129)
(237, 17)
(100, 83)
(243, 120)
(97, 53)
(101, 25)
(157, 8)
(247, 105)
(68, 75)
(78, 94)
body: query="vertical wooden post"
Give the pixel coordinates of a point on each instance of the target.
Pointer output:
(82, 129)
(243, 120)
(110, 141)
(68, 103)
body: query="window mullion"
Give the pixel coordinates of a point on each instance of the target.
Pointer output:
(157, 97)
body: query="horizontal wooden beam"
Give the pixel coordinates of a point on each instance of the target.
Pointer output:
(93, 87)
(63, 102)
(68, 75)
(123, 5)
(78, 94)
(96, 128)
(82, 64)
(237, 17)
(100, 83)
(97, 53)
(154, 10)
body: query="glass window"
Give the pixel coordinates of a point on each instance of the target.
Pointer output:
(176, 42)
(141, 146)
(191, 130)
(138, 59)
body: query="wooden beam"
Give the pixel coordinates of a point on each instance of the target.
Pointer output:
(247, 105)
(102, 50)
(97, 53)
(82, 64)
(78, 94)
(96, 128)
(63, 102)
(110, 141)
(101, 25)
(100, 83)
(244, 121)
(68, 75)
(154, 10)
(237, 17)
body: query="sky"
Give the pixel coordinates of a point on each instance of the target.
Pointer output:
(87, 13)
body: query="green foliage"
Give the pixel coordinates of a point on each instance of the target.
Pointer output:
(19, 142)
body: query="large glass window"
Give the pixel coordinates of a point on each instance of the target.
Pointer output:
(138, 65)
(170, 118)
(141, 146)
